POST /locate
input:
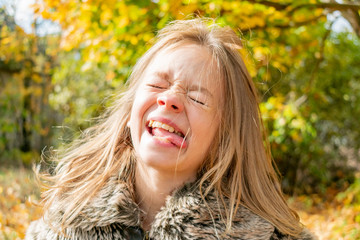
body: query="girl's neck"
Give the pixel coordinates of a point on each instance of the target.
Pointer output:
(152, 187)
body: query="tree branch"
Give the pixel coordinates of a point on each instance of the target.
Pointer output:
(291, 24)
(331, 5)
(350, 11)
(353, 18)
(320, 58)
(277, 6)
(315, 70)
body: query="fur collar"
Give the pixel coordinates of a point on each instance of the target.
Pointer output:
(184, 214)
(112, 214)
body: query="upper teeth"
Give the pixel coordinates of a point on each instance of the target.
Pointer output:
(156, 124)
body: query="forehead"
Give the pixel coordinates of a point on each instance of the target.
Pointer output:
(190, 63)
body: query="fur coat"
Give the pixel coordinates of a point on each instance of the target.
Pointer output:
(113, 214)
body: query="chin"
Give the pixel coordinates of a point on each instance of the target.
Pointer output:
(159, 162)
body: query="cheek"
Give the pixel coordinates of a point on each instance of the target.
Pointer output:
(139, 106)
(137, 112)
(205, 126)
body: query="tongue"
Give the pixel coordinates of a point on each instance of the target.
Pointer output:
(171, 137)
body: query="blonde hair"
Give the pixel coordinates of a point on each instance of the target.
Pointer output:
(239, 166)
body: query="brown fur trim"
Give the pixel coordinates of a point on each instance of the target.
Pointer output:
(113, 214)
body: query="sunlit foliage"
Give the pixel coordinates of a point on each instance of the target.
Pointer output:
(18, 196)
(26, 65)
(307, 75)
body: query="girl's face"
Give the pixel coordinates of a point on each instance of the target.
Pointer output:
(176, 112)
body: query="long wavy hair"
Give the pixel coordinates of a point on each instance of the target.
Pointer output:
(238, 168)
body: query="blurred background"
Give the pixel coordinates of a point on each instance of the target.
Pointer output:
(63, 61)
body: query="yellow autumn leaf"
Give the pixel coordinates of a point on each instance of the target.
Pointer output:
(36, 78)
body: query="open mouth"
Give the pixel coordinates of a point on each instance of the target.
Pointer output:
(156, 124)
(166, 133)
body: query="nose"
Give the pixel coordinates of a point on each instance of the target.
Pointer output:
(171, 101)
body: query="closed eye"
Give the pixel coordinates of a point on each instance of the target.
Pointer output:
(155, 86)
(197, 101)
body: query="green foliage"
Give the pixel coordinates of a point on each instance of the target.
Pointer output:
(311, 115)
(351, 196)
(26, 64)
(308, 76)
(293, 142)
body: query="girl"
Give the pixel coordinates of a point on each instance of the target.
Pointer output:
(180, 155)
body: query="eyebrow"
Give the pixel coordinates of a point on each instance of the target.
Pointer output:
(200, 89)
(163, 75)
(166, 76)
